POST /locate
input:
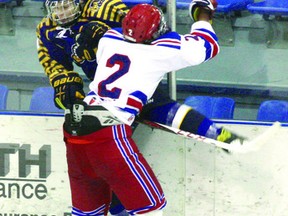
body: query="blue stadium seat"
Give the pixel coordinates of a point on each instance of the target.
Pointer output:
(3, 96)
(269, 7)
(273, 110)
(131, 3)
(224, 6)
(275, 34)
(212, 107)
(43, 100)
(180, 4)
(5, 1)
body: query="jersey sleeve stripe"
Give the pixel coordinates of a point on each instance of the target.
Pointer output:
(113, 34)
(135, 102)
(212, 34)
(168, 42)
(170, 46)
(211, 43)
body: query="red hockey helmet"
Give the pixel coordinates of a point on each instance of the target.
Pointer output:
(143, 23)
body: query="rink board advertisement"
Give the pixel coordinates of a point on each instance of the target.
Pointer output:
(33, 171)
(197, 178)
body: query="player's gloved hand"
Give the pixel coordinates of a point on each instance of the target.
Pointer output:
(81, 53)
(87, 41)
(202, 6)
(68, 87)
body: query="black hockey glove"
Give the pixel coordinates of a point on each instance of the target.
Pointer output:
(68, 87)
(197, 6)
(87, 41)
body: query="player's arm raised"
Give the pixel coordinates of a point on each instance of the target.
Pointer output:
(202, 38)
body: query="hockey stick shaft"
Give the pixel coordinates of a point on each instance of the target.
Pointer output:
(250, 146)
(188, 134)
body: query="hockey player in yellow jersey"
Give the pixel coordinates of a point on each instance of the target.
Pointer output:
(59, 33)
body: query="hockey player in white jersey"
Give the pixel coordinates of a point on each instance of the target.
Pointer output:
(132, 60)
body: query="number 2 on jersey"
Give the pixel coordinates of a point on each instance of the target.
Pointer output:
(124, 64)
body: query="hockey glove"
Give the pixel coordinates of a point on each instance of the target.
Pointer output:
(87, 41)
(206, 6)
(68, 87)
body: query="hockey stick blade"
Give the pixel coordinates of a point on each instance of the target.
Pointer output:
(258, 142)
(247, 146)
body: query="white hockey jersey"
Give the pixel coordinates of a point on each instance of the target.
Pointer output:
(128, 73)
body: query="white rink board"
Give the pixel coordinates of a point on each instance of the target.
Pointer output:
(198, 179)
(34, 131)
(216, 183)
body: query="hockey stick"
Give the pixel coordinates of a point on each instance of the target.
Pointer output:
(248, 146)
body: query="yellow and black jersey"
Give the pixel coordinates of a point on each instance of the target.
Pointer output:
(55, 42)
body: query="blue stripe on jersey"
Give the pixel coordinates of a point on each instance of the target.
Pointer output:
(170, 39)
(212, 34)
(114, 34)
(170, 46)
(130, 110)
(211, 41)
(140, 95)
(208, 47)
